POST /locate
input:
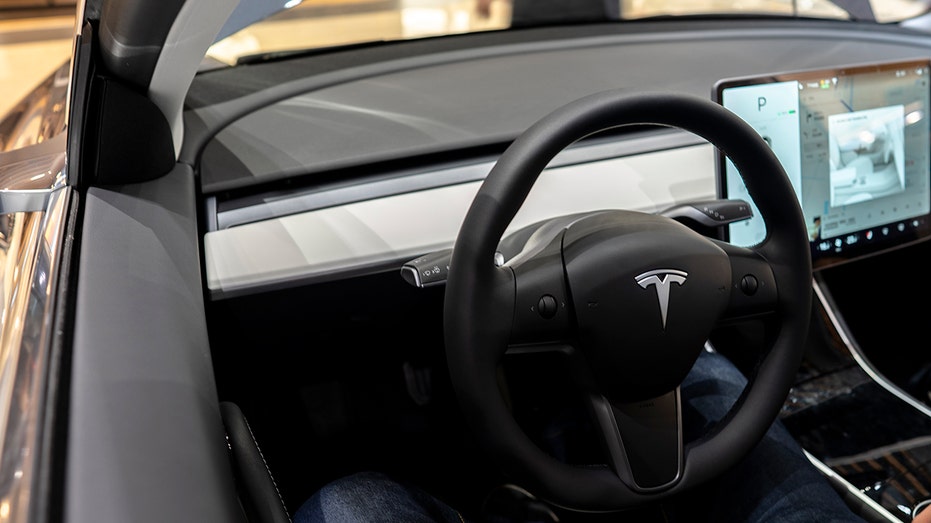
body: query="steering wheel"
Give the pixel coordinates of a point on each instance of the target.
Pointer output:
(634, 297)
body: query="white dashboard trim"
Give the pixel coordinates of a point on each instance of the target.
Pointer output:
(377, 234)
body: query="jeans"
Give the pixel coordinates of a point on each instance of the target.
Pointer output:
(373, 497)
(775, 483)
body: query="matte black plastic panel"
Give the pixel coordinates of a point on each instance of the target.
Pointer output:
(652, 436)
(146, 441)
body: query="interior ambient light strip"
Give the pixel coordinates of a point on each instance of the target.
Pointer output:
(836, 478)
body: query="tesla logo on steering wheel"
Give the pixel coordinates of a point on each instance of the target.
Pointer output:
(662, 279)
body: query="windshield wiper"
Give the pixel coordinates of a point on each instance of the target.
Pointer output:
(859, 10)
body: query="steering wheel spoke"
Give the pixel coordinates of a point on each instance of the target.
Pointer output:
(542, 309)
(753, 284)
(643, 440)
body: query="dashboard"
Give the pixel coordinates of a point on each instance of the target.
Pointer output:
(408, 132)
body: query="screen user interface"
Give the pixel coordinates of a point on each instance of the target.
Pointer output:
(855, 144)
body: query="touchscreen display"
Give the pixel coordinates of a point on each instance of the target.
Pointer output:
(855, 144)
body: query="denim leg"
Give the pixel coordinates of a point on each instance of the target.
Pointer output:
(776, 482)
(373, 497)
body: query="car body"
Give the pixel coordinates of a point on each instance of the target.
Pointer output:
(216, 242)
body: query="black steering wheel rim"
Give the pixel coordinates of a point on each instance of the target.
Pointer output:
(473, 279)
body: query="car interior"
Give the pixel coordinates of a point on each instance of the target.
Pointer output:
(329, 191)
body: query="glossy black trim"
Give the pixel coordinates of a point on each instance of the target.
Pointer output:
(126, 149)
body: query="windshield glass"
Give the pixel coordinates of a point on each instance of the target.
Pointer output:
(314, 24)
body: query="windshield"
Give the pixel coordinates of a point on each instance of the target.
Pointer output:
(314, 24)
